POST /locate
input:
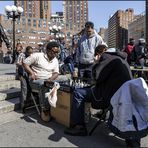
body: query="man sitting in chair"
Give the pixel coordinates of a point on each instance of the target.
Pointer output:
(110, 71)
(41, 67)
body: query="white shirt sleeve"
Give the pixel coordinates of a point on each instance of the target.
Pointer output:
(56, 69)
(31, 59)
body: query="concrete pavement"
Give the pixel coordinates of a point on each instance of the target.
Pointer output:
(30, 131)
(7, 68)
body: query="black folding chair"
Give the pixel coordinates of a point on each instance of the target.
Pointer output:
(101, 118)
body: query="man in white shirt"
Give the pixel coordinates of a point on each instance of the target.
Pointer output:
(41, 67)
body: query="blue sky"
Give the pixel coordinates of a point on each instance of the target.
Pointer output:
(99, 11)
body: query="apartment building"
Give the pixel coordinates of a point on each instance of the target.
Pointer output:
(75, 15)
(29, 31)
(137, 28)
(35, 9)
(104, 34)
(118, 28)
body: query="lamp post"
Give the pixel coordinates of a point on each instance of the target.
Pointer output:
(40, 44)
(56, 30)
(14, 13)
(146, 24)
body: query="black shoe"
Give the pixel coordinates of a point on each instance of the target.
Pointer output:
(75, 131)
(133, 143)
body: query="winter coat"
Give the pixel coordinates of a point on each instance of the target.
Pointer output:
(110, 73)
(3, 37)
(130, 109)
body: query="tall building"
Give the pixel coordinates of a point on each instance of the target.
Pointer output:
(104, 34)
(118, 28)
(35, 9)
(137, 28)
(29, 31)
(57, 17)
(75, 15)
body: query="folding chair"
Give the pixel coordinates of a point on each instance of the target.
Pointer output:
(101, 118)
(35, 103)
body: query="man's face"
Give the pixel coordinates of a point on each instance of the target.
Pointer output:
(19, 48)
(54, 52)
(89, 30)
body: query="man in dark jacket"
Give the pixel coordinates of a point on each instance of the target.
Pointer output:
(110, 71)
(4, 38)
(139, 53)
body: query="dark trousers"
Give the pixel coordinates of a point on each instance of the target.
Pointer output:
(80, 96)
(85, 70)
(38, 86)
(25, 91)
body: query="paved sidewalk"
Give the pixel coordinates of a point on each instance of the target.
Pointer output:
(7, 68)
(30, 131)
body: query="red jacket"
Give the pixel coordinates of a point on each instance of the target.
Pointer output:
(129, 50)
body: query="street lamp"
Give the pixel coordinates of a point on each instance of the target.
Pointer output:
(55, 30)
(14, 13)
(40, 44)
(146, 22)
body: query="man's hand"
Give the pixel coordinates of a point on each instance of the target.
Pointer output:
(32, 76)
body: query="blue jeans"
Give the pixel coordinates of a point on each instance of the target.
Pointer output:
(38, 86)
(80, 96)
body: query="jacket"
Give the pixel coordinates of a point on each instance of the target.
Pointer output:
(130, 109)
(129, 50)
(139, 51)
(86, 48)
(3, 37)
(109, 73)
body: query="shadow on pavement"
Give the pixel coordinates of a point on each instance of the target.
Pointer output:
(101, 137)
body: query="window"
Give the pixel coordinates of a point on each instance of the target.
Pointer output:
(34, 23)
(23, 21)
(29, 22)
(40, 24)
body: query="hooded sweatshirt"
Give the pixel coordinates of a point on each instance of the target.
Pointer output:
(86, 48)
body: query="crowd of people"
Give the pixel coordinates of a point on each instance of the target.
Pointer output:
(107, 69)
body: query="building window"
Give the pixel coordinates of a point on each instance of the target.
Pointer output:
(29, 22)
(34, 23)
(40, 24)
(23, 21)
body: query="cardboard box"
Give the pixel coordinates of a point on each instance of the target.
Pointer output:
(62, 112)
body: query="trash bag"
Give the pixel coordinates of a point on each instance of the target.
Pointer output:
(52, 94)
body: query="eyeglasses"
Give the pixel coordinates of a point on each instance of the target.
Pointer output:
(55, 52)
